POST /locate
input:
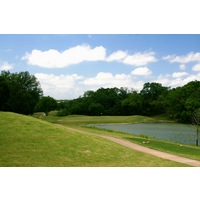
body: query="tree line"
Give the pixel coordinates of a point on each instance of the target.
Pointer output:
(154, 99)
(22, 93)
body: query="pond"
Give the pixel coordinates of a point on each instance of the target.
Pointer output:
(174, 132)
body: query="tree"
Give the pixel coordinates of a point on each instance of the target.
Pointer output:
(183, 101)
(46, 104)
(196, 124)
(110, 99)
(131, 105)
(152, 101)
(19, 92)
(4, 94)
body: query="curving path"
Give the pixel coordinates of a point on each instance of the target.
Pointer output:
(137, 147)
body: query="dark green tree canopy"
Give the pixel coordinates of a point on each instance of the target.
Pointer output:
(182, 101)
(154, 99)
(4, 93)
(19, 92)
(46, 104)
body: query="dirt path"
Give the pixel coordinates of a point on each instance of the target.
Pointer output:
(137, 147)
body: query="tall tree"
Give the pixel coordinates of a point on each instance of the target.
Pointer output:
(22, 92)
(152, 98)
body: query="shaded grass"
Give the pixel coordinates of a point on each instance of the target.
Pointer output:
(27, 141)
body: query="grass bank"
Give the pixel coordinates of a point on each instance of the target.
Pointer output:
(28, 141)
(81, 122)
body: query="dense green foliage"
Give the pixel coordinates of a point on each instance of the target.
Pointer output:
(19, 92)
(154, 99)
(46, 104)
(183, 101)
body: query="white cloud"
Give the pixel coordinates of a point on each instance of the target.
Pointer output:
(179, 74)
(196, 67)
(173, 81)
(137, 59)
(108, 80)
(55, 59)
(117, 56)
(164, 79)
(142, 71)
(140, 59)
(72, 86)
(168, 57)
(178, 82)
(190, 57)
(191, 77)
(182, 67)
(103, 79)
(60, 87)
(6, 66)
(138, 85)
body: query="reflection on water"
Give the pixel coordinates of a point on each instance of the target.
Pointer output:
(181, 133)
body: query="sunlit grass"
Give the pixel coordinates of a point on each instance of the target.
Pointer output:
(28, 141)
(81, 123)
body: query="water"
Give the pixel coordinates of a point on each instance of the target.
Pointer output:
(180, 133)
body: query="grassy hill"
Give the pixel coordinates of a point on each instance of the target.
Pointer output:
(81, 122)
(27, 141)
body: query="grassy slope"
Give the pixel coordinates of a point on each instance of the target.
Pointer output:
(78, 122)
(27, 141)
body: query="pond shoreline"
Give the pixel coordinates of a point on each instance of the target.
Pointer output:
(167, 131)
(161, 121)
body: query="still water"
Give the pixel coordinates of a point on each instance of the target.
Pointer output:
(180, 133)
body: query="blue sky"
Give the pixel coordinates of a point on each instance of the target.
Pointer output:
(67, 65)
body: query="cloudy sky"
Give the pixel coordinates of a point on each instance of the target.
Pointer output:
(67, 65)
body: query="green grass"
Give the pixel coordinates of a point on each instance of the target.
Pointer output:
(192, 152)
(81, 122)
(28, 141)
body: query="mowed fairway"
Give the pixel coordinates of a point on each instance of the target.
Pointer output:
(27, 141)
